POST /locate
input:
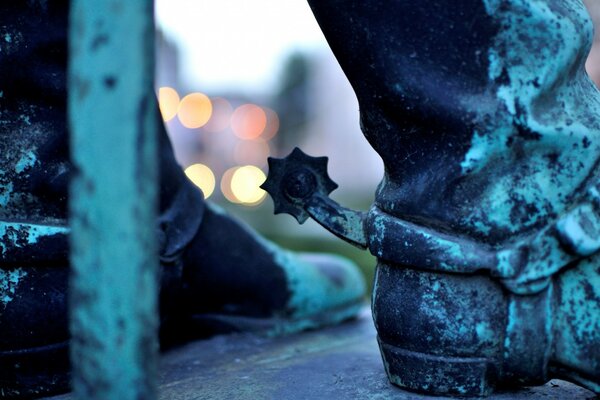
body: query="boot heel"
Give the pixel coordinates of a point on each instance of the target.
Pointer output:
(431, 374)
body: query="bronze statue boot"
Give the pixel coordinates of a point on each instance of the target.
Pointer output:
(216, 275)
(486, 224)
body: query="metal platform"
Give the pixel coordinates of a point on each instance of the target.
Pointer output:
(340, 363)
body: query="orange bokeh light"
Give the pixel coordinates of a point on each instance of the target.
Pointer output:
(226, 185)
(203, 177)
(245, 185)
(168, 102)
(194, 110)
(221, 115)
(272, 125)
(248, 121)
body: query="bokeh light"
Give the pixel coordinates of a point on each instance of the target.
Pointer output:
(221, 115)
(226, 185)
(168, 102)
(253, 152)
(195, 110)
(248, 121)
(245, 184)
(203, 177)
(272, 124)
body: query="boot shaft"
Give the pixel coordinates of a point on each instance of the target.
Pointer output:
(481, 110)
(34, 142)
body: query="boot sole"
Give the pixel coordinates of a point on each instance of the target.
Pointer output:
(275, 326)
(438, 375)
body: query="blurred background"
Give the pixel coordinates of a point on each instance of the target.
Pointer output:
(239, 81)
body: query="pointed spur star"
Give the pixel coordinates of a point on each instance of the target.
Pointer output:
(293, 180)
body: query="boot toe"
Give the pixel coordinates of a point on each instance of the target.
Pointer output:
(321, 283)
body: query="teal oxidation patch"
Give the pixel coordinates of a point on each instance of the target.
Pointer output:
(581, 230)
(14, 234)
(26, 161)
(377, 236)
(9, 281)
(5, 193)
(311, 292)
(577, 317)
(540, 130)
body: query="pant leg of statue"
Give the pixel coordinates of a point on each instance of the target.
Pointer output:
(34, 176)
(489, 129)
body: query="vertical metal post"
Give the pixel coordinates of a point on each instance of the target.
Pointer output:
(113, 199)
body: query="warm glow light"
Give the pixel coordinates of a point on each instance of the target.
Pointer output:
(168, 102)
(248, 121)
(226, 185)
(221, 115)
(203, 177)
(195, 110)
(253, 152)
(272, 125)
(245, 184)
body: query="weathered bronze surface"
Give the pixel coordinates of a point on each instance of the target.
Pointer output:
(124, 234)
(486, 224)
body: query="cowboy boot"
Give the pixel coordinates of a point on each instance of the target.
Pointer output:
(486, 223)
(208, 285)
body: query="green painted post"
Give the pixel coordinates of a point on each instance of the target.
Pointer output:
(113, 199)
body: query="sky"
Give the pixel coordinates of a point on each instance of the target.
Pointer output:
(237, 44)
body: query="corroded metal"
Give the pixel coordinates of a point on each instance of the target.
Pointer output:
(113, 203)
(203, 290)
(299, 185)
(486, 225)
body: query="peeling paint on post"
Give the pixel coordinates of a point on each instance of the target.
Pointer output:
(113, 199)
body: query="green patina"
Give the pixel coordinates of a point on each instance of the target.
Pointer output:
(505, 267)
(577, 318)
(561, 150)
(446, 304)
(452, 248)
(6, 191)
(35, 232)
(525, 216)
(481, 149)
(582, 230)
(377, 234)
(9, 282)
(511, 322)
(346, 224)
(310, 293)
(28, 160)
(14, 234)
(485, 332)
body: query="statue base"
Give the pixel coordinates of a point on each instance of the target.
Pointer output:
(341, 362)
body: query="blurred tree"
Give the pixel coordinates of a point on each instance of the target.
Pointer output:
(291, 100)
